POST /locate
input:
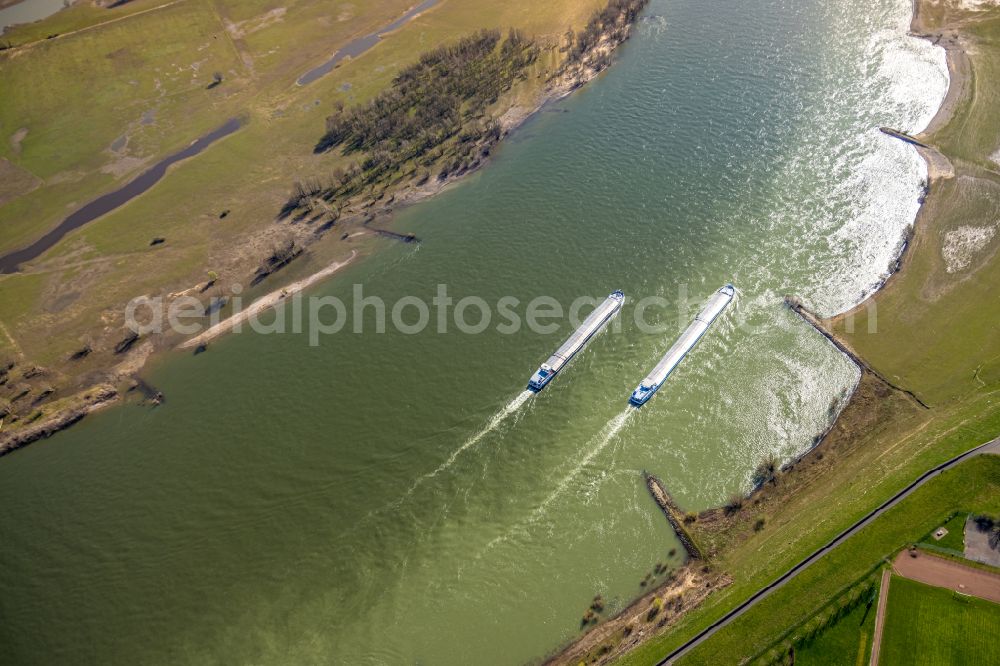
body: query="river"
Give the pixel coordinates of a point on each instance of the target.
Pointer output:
(28, 11)
(349, 503)
(106, 203)
(360, 45)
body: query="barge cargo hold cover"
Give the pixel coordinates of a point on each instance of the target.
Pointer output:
(597, 320)
(719, 301)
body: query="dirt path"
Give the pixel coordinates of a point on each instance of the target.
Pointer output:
(937, 571)
(13, 343)
(883, 601)
(94, 26)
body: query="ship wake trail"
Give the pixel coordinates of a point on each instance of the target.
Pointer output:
(600, 442)
(491, 425)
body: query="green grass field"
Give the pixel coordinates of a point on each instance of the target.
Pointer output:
(89, 100)
(973, 486)
(931, 626)
(915, 342)
(137, 77)
(846, 643)
(954, 540)
(937, 336)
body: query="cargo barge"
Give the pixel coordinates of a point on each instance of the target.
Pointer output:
(597, 320)
(719, 301)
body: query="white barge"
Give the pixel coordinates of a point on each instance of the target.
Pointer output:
(597, 320)
(719, 301)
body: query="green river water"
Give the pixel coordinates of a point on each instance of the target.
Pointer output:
(372, 500)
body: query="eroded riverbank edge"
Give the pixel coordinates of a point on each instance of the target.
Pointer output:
(567, 78)
(873, 398)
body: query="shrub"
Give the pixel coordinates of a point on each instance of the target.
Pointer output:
(766, 471)
(654, 610)
(613, 21)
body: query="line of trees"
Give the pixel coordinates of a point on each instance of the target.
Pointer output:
(783, 654)
(435, 114)
(612, 22)
(433, 99)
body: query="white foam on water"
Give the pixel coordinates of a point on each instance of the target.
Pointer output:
(908, 85)
(599, 443)
(596, 445)
(912, 70)
(491, 425)
(867, 185)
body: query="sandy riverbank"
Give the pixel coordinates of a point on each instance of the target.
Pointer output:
(648, 615)
(560, 83)
(959, 66)
(561, 86)
(265, 303)
(939, 167)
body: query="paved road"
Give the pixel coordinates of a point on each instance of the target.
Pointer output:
(990, 447)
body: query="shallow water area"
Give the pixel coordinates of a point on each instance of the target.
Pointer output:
(390, 498)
